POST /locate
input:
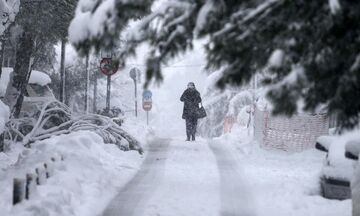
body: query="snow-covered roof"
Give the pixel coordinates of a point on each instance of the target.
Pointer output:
(37, 77)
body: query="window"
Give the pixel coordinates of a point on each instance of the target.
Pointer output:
(39, 91)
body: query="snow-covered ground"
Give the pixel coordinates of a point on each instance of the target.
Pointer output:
(90, 175)
(182, 178)
(229, 175)
(284, 184)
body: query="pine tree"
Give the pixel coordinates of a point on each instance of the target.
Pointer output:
(315, 46)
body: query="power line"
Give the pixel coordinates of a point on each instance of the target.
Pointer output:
(174, 66)
(171, 66)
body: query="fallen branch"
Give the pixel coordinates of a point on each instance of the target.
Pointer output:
(65, 123)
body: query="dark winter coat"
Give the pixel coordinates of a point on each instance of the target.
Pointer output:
(191, 99)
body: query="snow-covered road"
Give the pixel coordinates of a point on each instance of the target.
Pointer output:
(185, 178)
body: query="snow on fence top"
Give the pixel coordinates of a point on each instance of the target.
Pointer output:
(37, 77)
(294, 134)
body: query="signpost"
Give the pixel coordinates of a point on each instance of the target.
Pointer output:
(134, 74)
(108, 68)
(147, 103)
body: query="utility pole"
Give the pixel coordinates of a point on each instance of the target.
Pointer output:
(253, 108)
(95, 92)
(87, 85)
(62, 71)
(2, 41)
(108, 90)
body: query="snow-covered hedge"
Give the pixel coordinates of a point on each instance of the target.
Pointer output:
(233, 101)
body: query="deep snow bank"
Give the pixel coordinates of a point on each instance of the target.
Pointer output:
(82, 184)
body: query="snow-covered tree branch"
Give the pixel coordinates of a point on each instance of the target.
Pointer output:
(55, 118)
(242, 36)
(8, 11)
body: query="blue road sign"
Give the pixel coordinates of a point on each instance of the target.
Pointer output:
(147, 95)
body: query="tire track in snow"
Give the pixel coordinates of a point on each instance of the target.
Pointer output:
(135, 194)
(190, 186)
(234, 195)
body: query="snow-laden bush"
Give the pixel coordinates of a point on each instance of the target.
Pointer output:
(55, 119)
(240, 100)
(220, 104)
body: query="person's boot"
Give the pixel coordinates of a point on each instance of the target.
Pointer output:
(188, 138)
(193, 138)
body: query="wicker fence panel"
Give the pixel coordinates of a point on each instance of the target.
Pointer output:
(293, 134)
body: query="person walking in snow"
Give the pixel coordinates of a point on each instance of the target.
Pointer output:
(191, 98)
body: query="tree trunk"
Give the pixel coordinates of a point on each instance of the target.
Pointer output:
(62, 71)
(95, 93)
(15, 91)
(2, 142)
(2, 55)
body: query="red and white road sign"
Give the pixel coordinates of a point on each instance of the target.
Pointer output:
(108, 67)
(147, 105)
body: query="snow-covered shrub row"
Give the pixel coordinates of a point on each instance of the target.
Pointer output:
(232, 101)
(82, 184)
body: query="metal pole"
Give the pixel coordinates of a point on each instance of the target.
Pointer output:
(95, 93)
(252, 111)
(2, 41)
(2, 140)
(147, 117)
(108, 93)
(62, 71)
(87, 85)
(136, 111)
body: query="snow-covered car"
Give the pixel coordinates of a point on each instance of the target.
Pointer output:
(337, 171)
(352, 152)
(37, 91)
